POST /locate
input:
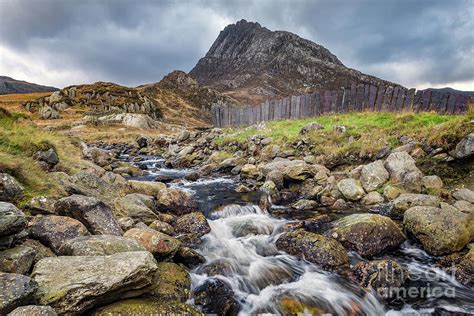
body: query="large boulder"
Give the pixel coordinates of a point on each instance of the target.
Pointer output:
(12, 220)
(16, 290)
(368, 234)
(92, 212)
(373, 175)
(152, 188)
(172, 283)
(318, 249)
(17, 260)
(465, 148)
(89, 184)
(192, 223)
(351, 189)
(408, 200)
(33, 310)
(146, 306)
(440, 231)
(216, 296)
(53, 230)
(382, 276)
(137, 206)
(100, 245)
(176, 201)
(403, 170)
(10, 189)
(72, 285)
(160, 245)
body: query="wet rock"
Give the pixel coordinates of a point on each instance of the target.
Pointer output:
(189, 240)
(217, 297)
(265, 273)
(189, 257)
(275, 177)
(17, 260)
(176, 201)
(53, 230)
(16, 290)
(373, 175)
(12, 220)
(368, 234)
(172, 283)
(351, 189)
(75, 284)
(318, 249)
(440, 231)
(373, 198)
(460, 265)
(432, 183)
(408, 200)
(192, 176)
(41, 251)
(220, 266)
(41, 205)
(318, 223)
(142, 141)
(33, 310)
(382, 276)
(146, 306)
(10, 189)
(100, 245)
(151, 188)
(162, 227)
(402, 169)
(160, 245)
(93, 213)
(137, 206)
(194, 223)
(311, 127)
(464, 195)
(465, 148)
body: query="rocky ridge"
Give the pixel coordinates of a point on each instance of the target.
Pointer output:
(252, 64)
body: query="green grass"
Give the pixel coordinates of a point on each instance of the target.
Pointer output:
(370, 131)
(19, 140)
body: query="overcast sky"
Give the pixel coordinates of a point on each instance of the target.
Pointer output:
(65, 42)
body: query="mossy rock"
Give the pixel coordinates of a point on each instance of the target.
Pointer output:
(172, 283)
(148, 307)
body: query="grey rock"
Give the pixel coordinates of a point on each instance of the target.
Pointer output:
(403, 171)
(408, 200)
(92, 212)
(10, 189)
(16, 290)
(195, 223)
(72, 285)
(464, 195)
(311, 127)
(373, 175)
(33, 310)
(176, 201)
(53, 230)
(351, 189)
(100, 245)
(12, 220)
(139, 207)
(41, 205)
(465, 148)
(17, 260)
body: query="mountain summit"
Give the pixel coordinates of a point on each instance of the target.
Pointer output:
(252, 64)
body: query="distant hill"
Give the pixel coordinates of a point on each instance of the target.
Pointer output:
(10, 86)
(252, 63)
(447, 89)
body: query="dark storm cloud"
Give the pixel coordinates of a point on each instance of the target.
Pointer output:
(133, 42)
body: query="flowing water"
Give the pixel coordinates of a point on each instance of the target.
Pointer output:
(266, 281)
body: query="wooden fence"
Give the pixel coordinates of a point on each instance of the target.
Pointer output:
(357, 98)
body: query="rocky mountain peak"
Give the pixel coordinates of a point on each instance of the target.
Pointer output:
(253, 63)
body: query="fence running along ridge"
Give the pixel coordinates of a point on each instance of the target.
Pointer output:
(357, 98)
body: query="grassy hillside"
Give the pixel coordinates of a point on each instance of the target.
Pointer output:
(367, 133)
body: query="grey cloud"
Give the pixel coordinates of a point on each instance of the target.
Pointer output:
(134, 42)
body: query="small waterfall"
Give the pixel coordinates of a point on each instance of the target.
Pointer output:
(242, 243)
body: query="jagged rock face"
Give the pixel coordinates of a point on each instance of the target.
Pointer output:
(99, 98)
(247, 58)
